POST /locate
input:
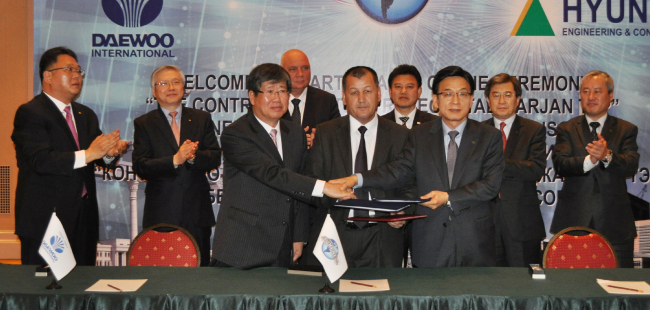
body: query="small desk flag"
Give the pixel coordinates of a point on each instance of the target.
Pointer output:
(329, 251)
(55, 249)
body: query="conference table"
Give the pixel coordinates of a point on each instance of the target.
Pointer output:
(273, 288)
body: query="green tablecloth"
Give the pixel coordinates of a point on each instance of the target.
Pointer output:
(273, 288)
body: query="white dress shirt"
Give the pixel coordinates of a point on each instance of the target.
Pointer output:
(301, 105)
(409, 123)
(587, 164)
(371, 140)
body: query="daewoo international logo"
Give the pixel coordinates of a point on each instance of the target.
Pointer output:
(132, 13)
(532, 21)
(392, 11)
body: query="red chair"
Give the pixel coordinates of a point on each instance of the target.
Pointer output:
(164, 245)
(567, 250)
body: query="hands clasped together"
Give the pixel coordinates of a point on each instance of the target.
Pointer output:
(106, 145)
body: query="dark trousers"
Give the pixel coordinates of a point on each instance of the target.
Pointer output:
(202, 237)
(624, 253)
(514, 253)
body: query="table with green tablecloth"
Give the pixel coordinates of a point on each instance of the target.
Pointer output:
(273, 288)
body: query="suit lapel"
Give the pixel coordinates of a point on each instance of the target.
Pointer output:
(345, 145)
(57, 115)
(310, 106)
(417, 119)
(286, 145)
(265, 138)
(381, 145)
(465, 150)
(609, 128)
(165, 128)
(82, 127)
(391, 116)
(513, 136)
(187, 128)
(437, 145)
(583, 130)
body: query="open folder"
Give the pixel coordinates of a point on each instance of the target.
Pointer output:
(389, 218)
(394, 205)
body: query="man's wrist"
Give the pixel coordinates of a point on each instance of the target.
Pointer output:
(608, 157)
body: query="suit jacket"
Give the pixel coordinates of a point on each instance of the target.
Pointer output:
(331, 158)
(517, 208)
(601, 193)
(320, 107)
(179, 196)
(476, 181)
(264, 195)
(420, 117)
(46, 179)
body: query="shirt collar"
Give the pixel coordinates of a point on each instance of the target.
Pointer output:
(371, 125)
(59, 104)
(179, 110)
(460, 128)
(410, 115)
(509, 121)
(267, 127)
(600, 120)
(302, 97)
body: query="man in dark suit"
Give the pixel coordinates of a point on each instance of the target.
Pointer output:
(405, 88)
(58, 143)
(177, 189)
(263, 218)
(595, 153)
(519, 223)
(338, 151)
(310, 106)
(457, 163)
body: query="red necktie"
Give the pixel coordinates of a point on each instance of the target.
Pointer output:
(68, 119)
(503, 136)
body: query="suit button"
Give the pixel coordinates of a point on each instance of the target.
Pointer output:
(288, 199)
(444, 224)
(284, 223)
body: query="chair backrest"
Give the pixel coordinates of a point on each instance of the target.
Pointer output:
(569, 251)
(164, 245)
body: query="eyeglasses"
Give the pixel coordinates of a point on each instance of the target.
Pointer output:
(506, 95)
(449, 95)
(167, 83)
(270, 93)
(70, 70)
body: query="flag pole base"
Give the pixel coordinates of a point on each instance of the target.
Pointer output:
(327, 289)
(54, 286)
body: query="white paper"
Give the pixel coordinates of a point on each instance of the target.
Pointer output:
(625, 287)
(351, 286)
(124, 285)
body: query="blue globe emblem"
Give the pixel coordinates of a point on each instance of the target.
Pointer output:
(57, 243)
(326, 249)
(132, 13)
(392, 11)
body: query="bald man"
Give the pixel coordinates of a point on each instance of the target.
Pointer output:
(308, 106)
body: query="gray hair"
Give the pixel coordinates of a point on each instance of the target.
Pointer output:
(608, 79)
(163, 68)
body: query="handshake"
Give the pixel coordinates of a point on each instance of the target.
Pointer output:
(342, 190)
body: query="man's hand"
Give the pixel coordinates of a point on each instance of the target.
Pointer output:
(297, 250)
(310, 137)
(119, 148)
(597, 149)
(346, 183)
(438, 198)
(397, 224)
(335, 191)
(185, 152)
(101, 145)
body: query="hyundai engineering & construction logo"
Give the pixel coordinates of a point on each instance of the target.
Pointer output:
(132, 13)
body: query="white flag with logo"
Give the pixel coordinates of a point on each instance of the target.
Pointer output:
(55, 249)
(329, 251)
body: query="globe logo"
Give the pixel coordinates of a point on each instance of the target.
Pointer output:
(132, 13)
(392, 11)
(330, 249)
(57, 243)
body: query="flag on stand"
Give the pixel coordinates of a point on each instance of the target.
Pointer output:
(329, 251)
(55, 249)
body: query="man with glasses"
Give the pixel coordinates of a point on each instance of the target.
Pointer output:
(519, 223)
(58, 143)
(174, 147)
(457, 164)
(263, 217)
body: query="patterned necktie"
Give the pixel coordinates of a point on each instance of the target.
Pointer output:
(452, 152)
(295, 116)
(361, 165)
(68, 119)
(274, 133)
(175, 130)
(594, 133)
(404, 119)
(503, 135)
